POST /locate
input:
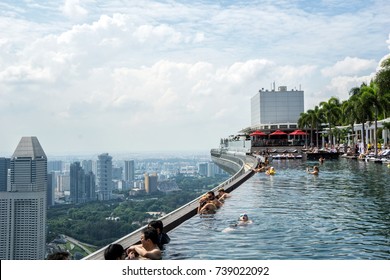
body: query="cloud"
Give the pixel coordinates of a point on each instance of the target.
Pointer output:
(118, 75)
(74, 10)
(350, 66)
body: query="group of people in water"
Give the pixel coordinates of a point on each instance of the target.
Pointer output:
(151, 244)
(270, 170)
(209, 203)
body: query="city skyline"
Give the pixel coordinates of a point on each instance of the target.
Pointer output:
(93, 76)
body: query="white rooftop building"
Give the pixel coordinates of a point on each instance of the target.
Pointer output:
(276, 109)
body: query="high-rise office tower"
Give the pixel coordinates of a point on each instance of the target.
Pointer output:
(23, 206)
(77, 183)
(87, 166)
(54, 165)
(211, 169)
(4, 166)
(90, 186)
(50, 189)
(129, 170)
(104, 177)
(202, 168)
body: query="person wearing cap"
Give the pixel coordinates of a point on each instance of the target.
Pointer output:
(244, 219)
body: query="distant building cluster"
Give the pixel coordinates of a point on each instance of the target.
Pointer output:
(84, 180)
(30, 183)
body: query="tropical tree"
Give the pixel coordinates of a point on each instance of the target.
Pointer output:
(363, 111)
(332, 113)
(349, 116)
(304, 123)
(377, 102)
(317, 117)
(382, 79)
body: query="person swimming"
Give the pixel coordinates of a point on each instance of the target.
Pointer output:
(243, 220)
(270, 171)
(315, 171)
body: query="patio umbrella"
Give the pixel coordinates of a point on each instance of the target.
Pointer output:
(278, 132)
(298, 132)
(258, 133)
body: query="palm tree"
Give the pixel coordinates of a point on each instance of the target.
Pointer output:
(304, 123)
(349, 115)
(363, 112)
(317, 117)
(382, 79)
(378, 103)
(332, 113)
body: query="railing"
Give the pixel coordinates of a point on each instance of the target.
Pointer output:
(187, 211)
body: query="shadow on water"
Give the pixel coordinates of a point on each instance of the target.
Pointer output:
(343, 213)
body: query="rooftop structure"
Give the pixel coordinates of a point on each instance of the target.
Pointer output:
(276, 109)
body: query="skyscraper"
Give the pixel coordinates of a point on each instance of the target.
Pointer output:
(23, 206)
(50, 189)
(104, 177)
(77, 183)
(90, 186)
(129, 170)
(4, 166)
(87, 166)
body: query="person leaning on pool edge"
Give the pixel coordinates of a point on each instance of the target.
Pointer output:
(163, 238)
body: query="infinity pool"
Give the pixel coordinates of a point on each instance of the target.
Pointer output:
(344, 213)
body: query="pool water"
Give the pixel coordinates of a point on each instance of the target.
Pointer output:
(343, 213)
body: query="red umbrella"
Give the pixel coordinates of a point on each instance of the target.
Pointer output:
(298, 132)
(257, 133)
(278, 132)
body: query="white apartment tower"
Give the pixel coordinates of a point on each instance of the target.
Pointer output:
(23, 205)
(104, 177)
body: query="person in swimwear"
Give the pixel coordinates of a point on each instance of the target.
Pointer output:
(209, 204)
(270, 171)
(315, 170)
(222, 195)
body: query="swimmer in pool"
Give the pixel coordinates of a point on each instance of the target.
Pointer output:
(243, 220)
(270, 171)
(315, 171)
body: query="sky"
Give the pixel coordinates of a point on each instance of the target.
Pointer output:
(117, 76)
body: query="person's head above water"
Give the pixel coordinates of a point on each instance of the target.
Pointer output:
(244, 217)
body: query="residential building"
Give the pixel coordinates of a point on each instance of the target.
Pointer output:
(151, 183)
(104, 176)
